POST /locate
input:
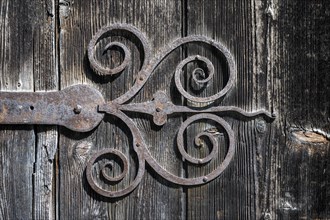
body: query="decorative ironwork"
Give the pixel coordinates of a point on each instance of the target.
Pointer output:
(160, 108)
(81, 108)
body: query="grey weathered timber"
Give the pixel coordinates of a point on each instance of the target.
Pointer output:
(296, 44)
(28, 63)
(237, 190)
(81, 108)
(280, 51)
(45, 76)
(161, 22)
(280, 170)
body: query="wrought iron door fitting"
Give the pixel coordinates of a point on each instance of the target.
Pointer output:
(81, 108)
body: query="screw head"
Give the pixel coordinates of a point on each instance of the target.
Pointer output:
(77, 109)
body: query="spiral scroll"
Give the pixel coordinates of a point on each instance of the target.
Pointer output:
(98, 188)
(203, 179)
(148, 67)
(104, 32)
(161, 108)
(195, 79)
(213, 140)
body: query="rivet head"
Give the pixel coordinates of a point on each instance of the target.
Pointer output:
(158, 109)
(77, 109)
(137, 144)
(205, 179)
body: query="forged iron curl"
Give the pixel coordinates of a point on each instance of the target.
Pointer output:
(149, 65)
(138, 146)
(161, 108)
(103, 33)
(213, 140)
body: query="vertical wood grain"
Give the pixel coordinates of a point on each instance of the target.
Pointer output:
(298, 44)
(233, 194)
(154, 198)
(280, 170)
(279, 47)
(17, 143)
(45, 79)
(27, 61)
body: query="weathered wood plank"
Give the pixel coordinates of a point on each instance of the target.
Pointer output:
(153, 199)
(298, 45)
(17, 150)
(232, 195)
(27, 64)
(45, 79)
(44, 176)
(280, 171)
(279, 48)
(16, 172)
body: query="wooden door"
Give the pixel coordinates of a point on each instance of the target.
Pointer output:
(280, 169)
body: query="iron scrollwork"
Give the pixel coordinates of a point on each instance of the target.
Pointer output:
(161, 107)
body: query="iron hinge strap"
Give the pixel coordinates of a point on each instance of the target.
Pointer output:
(81, 108)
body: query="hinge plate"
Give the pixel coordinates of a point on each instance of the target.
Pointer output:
(74, 107)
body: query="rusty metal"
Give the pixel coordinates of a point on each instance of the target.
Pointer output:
(81, 108)
(103, 153)
(106, 31)
(161, 108)
(139, 148)
(74, 107)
